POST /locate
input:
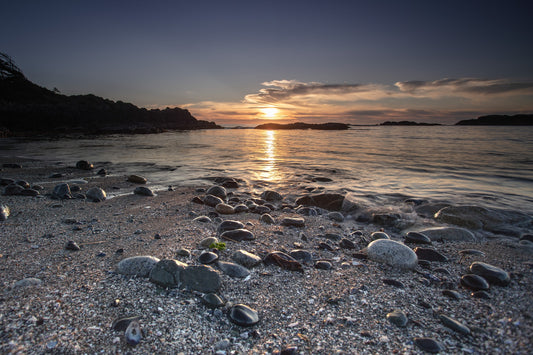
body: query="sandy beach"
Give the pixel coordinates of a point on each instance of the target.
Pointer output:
(73, 297)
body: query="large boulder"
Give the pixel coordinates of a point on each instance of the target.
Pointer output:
(327, 201)
(393, 253)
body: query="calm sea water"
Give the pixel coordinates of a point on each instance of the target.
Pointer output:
(485, 166)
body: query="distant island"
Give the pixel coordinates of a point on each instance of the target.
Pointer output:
(302, 125)
(499, 120)
(29, 109)
(408, 123)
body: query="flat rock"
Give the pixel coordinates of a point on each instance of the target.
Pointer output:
(491, 273)
(202, 219)
(233, 270)
(166, 272)
(474, 282)
(224, 208)
(207, 257)
(267, 218)
(428, 344)
(246, 259)
(137, 265)
(143, 191)
(417, 238)
(229, 225)
(237, 235)
(475, 217)
(392, 253)
(212, 200)
(449, 234)
(454, 325)
(201, 278)
(136, 179)
(301, 255)
(379, 235)
(327, 201)
(212, 300)
(429, 255)
(293, 222)
(323, 265)
(282, 260)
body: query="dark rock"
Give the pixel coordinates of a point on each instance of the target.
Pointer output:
(246, 259)
(62, 191)
(166, 272)
(360, 256)
(23, 183)
(347, 244)
(102, 172)
(13, 190)
(224, 208)
(96, 194)
(212, 200)
(323, 265)
(417, 238)
(84, 165)
(429, 254)
(71, 245)
(237, 235)
(56, 176)
(271, 196)
(528, 237)
(230, 183)
(282, 260)
(293, 222)
(452, 294)
(136, 179)
(217, 191)
(229, 225)
(465, 252)
(197, 200)
(201, 278)
(121, 324)
(266, 218)
(474, 282)
(454, 325)
(332, 236)
(301, 255)
(491, 273)
(428, 344)
(143, 191)
(325, 246)
(212, 300)
(5, 181)
(379, 235)
(397, 318)
(332, 202)
(385, 219)
(240, 208)
(480, 294)
(426, 264)
(449, 234)
(29, 192)
(202, 219)
(243, 315)
(12, 166)
(233, 270)
(394, 283)
(262, 209)
(442, 270)
(336, 216)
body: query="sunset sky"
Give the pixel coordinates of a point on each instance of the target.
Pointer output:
(247, 62)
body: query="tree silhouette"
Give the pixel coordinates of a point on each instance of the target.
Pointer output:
(8, 68)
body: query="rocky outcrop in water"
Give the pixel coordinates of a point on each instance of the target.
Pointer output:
(499, 120)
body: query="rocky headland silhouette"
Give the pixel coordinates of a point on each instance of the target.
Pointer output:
(499, 120)
(29, 109)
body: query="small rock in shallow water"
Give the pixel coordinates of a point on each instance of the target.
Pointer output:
(428, 344)
(474, 282)
(397, 318)
(84, 165)
(491, 273)
(133, 333)
(96, 194)
(243, 315)
(271, 196)
(217, 191)
(136, 179)
(143, 191)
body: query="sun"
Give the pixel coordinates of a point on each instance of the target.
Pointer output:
(270, 112)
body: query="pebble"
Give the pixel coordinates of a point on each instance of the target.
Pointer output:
(233, 270)
(394, 283)
(84, 165)
(240, 208)
(29, 192)
(417, 238)
(217, 191)
(398, 318)
(102, 172)
(133, 333)
(491, 273)
(143, 191)
(282, 260)
(301, 255)
(13, 190)
(207, 257)
(183, 252)
(347, 244)
(429, 255)
(379, 235)
(224, 208)
(270, 195)
(336, 216)
(23, 183)
(262, 209)
(71, 245)
(293, 222)
(206, 242)
(212, 300)
(137, 265)
(454, 325)
(471, 252)
(480, 294)
(392, 253)
(166, 272)
(62, 191)
(96, 194)
(136, 179)
(212, 200)
(229, 225)
(452, 294)
(323, 265)
(449, 234)
(243, 315)
(474, 282)
(266, 218)
(246, 259)
(237, 235)
(428, 344)
(202, 219)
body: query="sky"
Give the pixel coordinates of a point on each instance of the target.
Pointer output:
(250, 62)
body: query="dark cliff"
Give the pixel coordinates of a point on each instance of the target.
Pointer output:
(499, 120)
(26, 108)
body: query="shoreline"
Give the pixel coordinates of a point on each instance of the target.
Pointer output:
(340, 310)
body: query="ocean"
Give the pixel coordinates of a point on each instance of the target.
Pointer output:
(378, 166)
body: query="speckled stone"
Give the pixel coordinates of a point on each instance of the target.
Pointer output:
(398, 318)
(137, 265)
(392, 253)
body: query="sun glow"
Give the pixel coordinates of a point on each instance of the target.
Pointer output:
(270, 112)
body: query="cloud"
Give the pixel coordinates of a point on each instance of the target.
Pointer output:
(464, 86)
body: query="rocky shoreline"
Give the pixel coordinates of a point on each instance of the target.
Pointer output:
(218, 269)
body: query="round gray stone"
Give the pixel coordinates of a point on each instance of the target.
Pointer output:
(96, 194)
(392, 253)
(137, 265)
(166, 272)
